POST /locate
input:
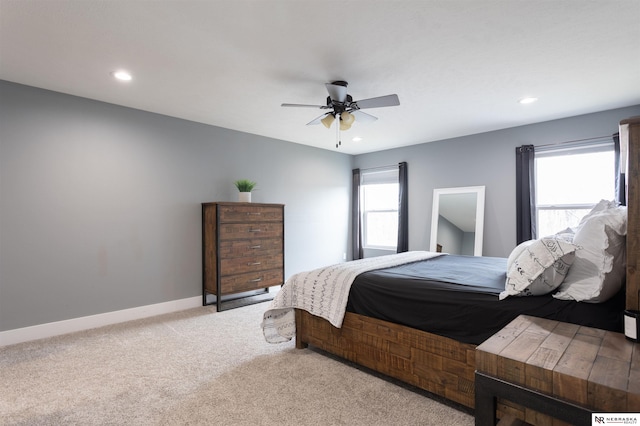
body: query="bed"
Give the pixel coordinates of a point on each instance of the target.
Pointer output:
(441, 359)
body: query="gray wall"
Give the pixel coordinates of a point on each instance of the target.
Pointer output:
(483, 159)
(100, 204)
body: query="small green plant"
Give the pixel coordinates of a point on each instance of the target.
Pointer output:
(245, 185)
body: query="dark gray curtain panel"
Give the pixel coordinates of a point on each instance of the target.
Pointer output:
(356, 231)
(525, 194)
(621, 193)
(403, 209)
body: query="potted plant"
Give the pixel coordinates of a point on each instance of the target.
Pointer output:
(245, 187)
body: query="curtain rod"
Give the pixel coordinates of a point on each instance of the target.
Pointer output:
(380, 167)
(574, 141)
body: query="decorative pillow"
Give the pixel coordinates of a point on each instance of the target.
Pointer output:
(538, 267)
(599, 269)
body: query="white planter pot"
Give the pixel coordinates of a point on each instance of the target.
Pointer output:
(244, 197)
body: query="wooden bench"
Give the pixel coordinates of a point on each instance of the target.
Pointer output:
(555, 370)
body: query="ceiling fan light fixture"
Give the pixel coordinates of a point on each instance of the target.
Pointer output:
(344, 125)
(328, 120)
(347, 118)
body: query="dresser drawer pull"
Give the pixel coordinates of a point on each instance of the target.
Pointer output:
(255, 230)
(254, 263)
(255, 247)
(257, 280)
(253, 214)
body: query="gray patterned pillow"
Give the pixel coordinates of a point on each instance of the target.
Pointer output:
(538, 267)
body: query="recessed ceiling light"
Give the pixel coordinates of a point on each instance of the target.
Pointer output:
(122, 75)
(357, 139)
(527, 100)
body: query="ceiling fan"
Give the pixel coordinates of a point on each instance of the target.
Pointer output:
(342, 106)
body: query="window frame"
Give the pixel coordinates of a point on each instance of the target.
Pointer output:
(573, 148)
(382, 175)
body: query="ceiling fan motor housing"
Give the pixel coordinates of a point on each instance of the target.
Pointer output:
(339, 107)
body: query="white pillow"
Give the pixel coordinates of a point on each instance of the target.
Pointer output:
(601, 207)
(599, 268)
(538, 267)
(566, 235)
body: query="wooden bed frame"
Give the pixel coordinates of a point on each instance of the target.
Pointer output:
(440, 365)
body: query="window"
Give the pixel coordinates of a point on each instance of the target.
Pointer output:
(569, 182)
(379, 206)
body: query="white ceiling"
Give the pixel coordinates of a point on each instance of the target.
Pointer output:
(458, 67)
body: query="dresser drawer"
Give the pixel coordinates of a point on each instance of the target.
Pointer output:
(230, 231)
(249, 264)
(251, 281)
(245, 213)
(254, 247)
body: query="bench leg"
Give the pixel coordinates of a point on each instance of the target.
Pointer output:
(485, 403)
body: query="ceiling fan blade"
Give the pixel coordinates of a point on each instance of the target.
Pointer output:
(363, 117)
(337, 92)
(317, 119)
(382, 101)
(305, 106)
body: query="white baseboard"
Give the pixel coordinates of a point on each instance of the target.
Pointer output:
(57, 328)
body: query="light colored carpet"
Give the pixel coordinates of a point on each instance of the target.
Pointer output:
(198, 367)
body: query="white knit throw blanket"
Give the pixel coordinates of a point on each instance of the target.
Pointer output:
(323, 292)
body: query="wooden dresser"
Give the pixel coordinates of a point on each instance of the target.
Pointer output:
(242, 252)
